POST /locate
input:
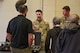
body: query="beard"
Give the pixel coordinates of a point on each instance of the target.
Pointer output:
(38, 18)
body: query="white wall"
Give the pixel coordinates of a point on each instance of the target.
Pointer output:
(49, 11)
(7, 12)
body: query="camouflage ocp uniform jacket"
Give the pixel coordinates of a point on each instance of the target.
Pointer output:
(65, 21)
(42, 27)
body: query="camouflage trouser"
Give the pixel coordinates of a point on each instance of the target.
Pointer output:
(26, 50)
(42, 45)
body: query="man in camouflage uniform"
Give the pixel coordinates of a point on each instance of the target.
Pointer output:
(39, 25)
(65, 20)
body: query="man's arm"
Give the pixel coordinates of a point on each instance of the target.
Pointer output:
(8, 36)
(30, 39)
(48, 27)
(47, 42)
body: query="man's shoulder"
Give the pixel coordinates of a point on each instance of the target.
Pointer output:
(45, 21)
(12, 19)
(51, 30)
(35, 22)
(28, 21)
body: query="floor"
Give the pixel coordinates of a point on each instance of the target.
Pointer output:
(4, 52)
(10, 52)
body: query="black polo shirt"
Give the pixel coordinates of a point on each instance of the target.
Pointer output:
(19, 27)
